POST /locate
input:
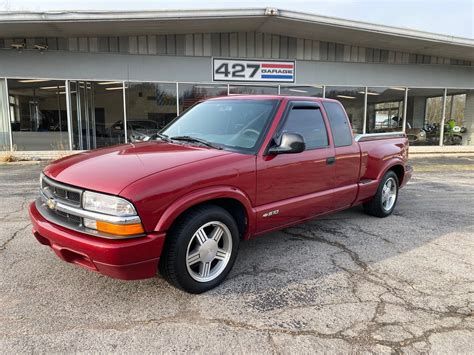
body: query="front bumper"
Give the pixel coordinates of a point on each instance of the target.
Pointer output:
(128, 259)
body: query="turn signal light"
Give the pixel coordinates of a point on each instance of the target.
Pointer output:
(119, 229)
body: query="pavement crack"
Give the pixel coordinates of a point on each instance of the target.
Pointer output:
(316, 238)
(363, 231)
(272, 343)
(3, 246)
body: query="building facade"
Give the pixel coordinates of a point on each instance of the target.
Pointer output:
(78, 81)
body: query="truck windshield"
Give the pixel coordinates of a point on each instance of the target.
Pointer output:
(237, 125)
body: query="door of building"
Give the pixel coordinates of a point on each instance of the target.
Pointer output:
(97, 113)
(83, 115)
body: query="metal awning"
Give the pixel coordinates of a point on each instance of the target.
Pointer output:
(281, 22)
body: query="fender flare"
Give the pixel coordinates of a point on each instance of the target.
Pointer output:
(390, 164)
(202, 195)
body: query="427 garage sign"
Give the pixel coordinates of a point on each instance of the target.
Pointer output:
(253, 70)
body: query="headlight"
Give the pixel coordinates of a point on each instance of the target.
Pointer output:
(110, 205)
(106, 204)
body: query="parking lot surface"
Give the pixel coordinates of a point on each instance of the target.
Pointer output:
(344, 283)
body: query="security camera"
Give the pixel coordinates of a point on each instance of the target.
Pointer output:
(41, 47)
(18, 46)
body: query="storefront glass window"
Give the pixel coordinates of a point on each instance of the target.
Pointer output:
(352, 98)
(4, 135)
(459, 121)
(150, 107)
(253, 90)
(385, 109)
(424, 115)
(313, 91)
(38, 114)
(189, 94)
(97, 114)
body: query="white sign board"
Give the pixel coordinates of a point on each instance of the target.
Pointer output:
(253, 70)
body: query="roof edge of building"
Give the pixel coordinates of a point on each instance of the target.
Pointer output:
(373, 27)
(106, 16)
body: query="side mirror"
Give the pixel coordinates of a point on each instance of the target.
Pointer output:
(290, 143)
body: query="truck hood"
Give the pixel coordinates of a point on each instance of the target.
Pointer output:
(112, 169)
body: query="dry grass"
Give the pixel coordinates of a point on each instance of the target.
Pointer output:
(7, 157)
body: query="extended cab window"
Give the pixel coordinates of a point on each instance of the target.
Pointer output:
(308, 122)
(341, 130)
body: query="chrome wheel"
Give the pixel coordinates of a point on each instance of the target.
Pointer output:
(389, 194)
(209, 251)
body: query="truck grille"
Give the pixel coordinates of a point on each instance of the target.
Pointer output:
(66, 194)
(76, 220)
(63, 193)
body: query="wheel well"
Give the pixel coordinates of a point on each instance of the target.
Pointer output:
(234, 207)
(400, 171)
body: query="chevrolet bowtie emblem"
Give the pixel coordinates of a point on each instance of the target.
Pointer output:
(51, 203)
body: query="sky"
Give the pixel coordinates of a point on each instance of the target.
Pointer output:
(451, 17)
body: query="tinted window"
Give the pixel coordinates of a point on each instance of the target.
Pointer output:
(310, 124)
(341, 131)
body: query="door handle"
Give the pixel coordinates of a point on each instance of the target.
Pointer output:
(330, 160)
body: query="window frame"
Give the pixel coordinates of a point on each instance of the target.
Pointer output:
(290, 105)
(347, 120)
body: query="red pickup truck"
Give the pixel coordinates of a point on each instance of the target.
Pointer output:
(228, 169)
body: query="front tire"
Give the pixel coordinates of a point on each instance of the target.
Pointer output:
(384, 201)
(200, 249)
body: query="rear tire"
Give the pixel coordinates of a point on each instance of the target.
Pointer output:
(200, 249)
(384, 201)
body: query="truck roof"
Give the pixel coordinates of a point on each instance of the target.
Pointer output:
(271, 97)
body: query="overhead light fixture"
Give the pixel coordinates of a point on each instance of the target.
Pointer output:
(369, 93)
(346, 97)
(63, 92)
(33, 80)
(397, 88)
(298, 90)
(109, 82)
(114, 88)
(52, 87)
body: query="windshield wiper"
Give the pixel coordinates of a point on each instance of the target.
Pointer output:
(198, 140)
(161, 136)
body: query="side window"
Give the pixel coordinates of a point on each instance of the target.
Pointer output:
(341, 130)
(308, 122)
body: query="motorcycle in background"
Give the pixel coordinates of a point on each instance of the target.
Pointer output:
(453, 133)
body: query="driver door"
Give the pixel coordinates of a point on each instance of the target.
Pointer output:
(294, 187)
